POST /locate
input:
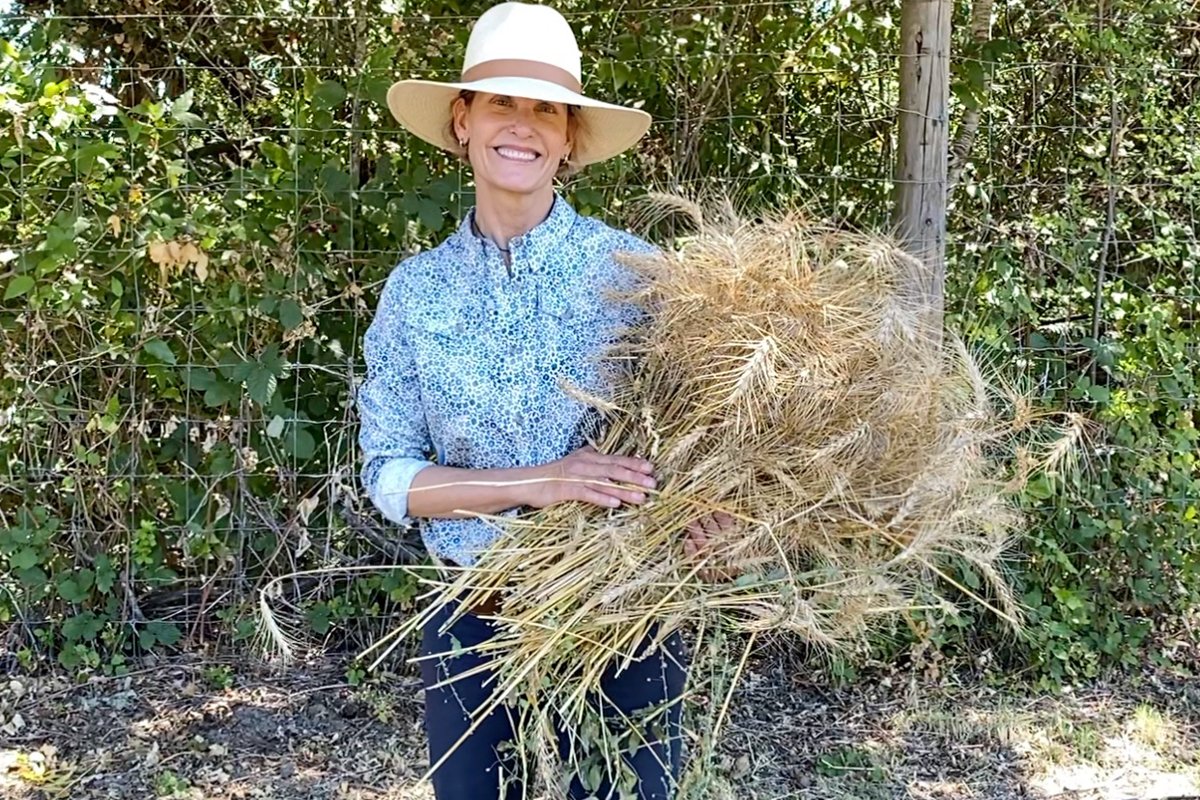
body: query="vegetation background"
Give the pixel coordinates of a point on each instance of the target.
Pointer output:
(199, 203)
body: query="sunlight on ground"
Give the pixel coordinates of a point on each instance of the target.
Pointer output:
(1142, 759)
(1093, 781)
(1092, 753)
(24, 771)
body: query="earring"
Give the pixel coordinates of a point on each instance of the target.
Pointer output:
(462, 143)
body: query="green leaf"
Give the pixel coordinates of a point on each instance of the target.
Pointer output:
(200, 379)
(83, 626)
(77, 588)
(970, 578)
(34, 577)
(271, 359)
(376, 89)
(1039, 488)
(189, 120)
(430, 214)
(329, 94)
(334, 180)
(160, 350)
(318, 618)
(278, 155)
(440, 190)
(18, 286)
(106, 576)
(290, 314)
(164, 632)
(275, 427)
(300, 444)
(219, 394)
(183, 102)
(261, 384)
(25, 558)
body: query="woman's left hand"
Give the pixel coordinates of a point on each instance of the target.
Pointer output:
(700, 535)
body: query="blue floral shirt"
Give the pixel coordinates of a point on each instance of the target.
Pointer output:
(467, 356)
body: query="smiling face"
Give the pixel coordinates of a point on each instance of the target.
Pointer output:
(515, 144)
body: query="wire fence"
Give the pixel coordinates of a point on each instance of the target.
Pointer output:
(198, 431)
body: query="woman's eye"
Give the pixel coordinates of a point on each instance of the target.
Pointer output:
(503, 101)
(548, 109)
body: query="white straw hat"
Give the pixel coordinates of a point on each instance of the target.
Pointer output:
(520, 50)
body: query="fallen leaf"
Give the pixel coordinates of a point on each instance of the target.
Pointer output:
(114, 222)
(223, 508)
(304, 544)
(201, 262)
(306, 507)
(158, 252)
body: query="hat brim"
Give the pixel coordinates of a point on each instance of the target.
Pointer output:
(423, 107)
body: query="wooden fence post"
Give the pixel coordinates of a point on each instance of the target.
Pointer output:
(923, 147)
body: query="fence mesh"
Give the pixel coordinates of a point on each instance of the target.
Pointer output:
(179, 424)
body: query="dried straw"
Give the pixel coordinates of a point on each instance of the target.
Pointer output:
(781, 377)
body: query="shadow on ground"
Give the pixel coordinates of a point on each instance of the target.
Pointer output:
(901, 739)
(179, 731)
(203, 729)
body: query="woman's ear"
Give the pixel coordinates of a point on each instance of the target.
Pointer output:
(459, 115)
(572, 132)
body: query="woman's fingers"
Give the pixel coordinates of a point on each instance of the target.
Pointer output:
(638, 465)
(626, 475)
(605, 480)
(598, 498)
(587, 488)
(616, 472)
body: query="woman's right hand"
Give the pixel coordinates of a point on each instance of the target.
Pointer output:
(591, 477)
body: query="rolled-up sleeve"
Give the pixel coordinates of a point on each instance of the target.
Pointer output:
(393, 434)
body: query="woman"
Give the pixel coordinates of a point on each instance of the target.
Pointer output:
(467, 354)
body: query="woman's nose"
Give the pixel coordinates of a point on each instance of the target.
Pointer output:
(523, 121)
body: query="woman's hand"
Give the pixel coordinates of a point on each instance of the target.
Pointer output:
(701, 534)
(591, 477)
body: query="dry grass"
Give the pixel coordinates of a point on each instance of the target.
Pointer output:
(306, 735)
(781, 377)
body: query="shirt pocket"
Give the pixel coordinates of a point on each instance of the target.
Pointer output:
(454, 363)
(575, 317)
(576, 333)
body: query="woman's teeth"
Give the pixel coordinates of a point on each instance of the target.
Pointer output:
(516, 155)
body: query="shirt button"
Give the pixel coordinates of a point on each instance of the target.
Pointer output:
(568, 314)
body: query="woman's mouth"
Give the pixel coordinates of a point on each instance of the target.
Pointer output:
(516, 154)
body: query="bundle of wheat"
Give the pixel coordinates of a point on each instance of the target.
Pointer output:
(781, 377)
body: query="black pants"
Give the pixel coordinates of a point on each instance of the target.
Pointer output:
(480, 768)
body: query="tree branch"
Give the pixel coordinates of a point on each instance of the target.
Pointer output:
(960, 150)
(1116, 133)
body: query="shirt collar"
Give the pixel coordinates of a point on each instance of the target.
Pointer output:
(528, 249)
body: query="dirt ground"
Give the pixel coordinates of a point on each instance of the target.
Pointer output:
(203, 728)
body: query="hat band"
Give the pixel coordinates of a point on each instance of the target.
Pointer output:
(522, 68)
